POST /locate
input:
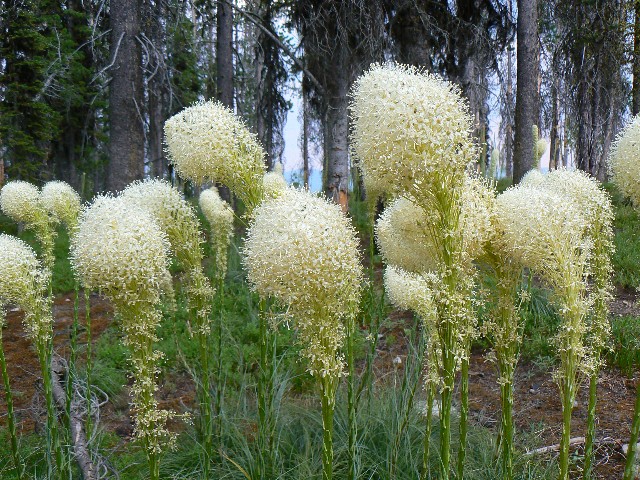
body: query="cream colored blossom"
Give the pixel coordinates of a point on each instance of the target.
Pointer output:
(220, 217)
(120, 250)
(595, 204)
(543, 230)
(24, 282)
(411, 129)
(22, 202)
(207, 142)
(62, 201)
(178, 220)
(274, 182)
(408, 235)
(302, 250)
(533, 178)
(405, 235)
(410, 292)
(624, 161)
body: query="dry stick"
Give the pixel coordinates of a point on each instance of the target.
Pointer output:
(78, 437)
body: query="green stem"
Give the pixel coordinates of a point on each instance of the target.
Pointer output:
(567, 406)
(87, 319)
(219, 399)
(427, 432)
(353, 426)
(328, 406)
(11, 422)
(265, 397)
(591, 427)
(54, 448)
(204, 402)
(445, 413)
(464, 413)
(629, 466)
(506, 429)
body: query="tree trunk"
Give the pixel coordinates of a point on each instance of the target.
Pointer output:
(526, 88)
(337, 134)
(305, 135)
(635, 108)
(553, 143)
(224, 54)
(126, 128)
(157, 90)
(508, 154)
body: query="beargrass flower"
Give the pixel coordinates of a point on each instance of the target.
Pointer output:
(274, 182)
(410, 129)
(208, 142)
(24, 282)
(220, 217)
(178, 221)
(548, 233)
(301, 250)
(589, 197)
(623, 161)
(408, 235)
(22, 202)
(62, 202)
(120, 250)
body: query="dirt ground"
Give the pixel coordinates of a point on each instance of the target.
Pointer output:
(537, 406)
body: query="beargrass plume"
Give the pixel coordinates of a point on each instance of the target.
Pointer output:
(208, 142)
(120, 250)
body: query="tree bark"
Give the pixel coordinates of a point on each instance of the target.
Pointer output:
(337, 134)
(224, 53)
(635, 108)
(126, 128)
(526, 88)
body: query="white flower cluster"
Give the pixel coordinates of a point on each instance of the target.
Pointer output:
(302, 250)
(22, 202)
(410, 292)
(595, 204)
(208, 142)
(175, 217)
(405, 236)
(220, 217)
(178, 220)
(62, 201)
(624, 161)
(120, 249)
(410, 128)
(24, 283)
(274, 182)
(408, 235)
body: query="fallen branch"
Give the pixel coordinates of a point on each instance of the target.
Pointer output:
(572, 443)
(555, 448)
(78, 437)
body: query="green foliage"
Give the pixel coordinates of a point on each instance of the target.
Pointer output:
(27, 122)
(626, 259)
(625, 351)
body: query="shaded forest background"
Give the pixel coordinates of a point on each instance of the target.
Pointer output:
(86, 85)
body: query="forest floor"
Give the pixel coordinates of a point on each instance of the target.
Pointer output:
(536, 404)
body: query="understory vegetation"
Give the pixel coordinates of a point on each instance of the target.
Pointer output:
(298, 432)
